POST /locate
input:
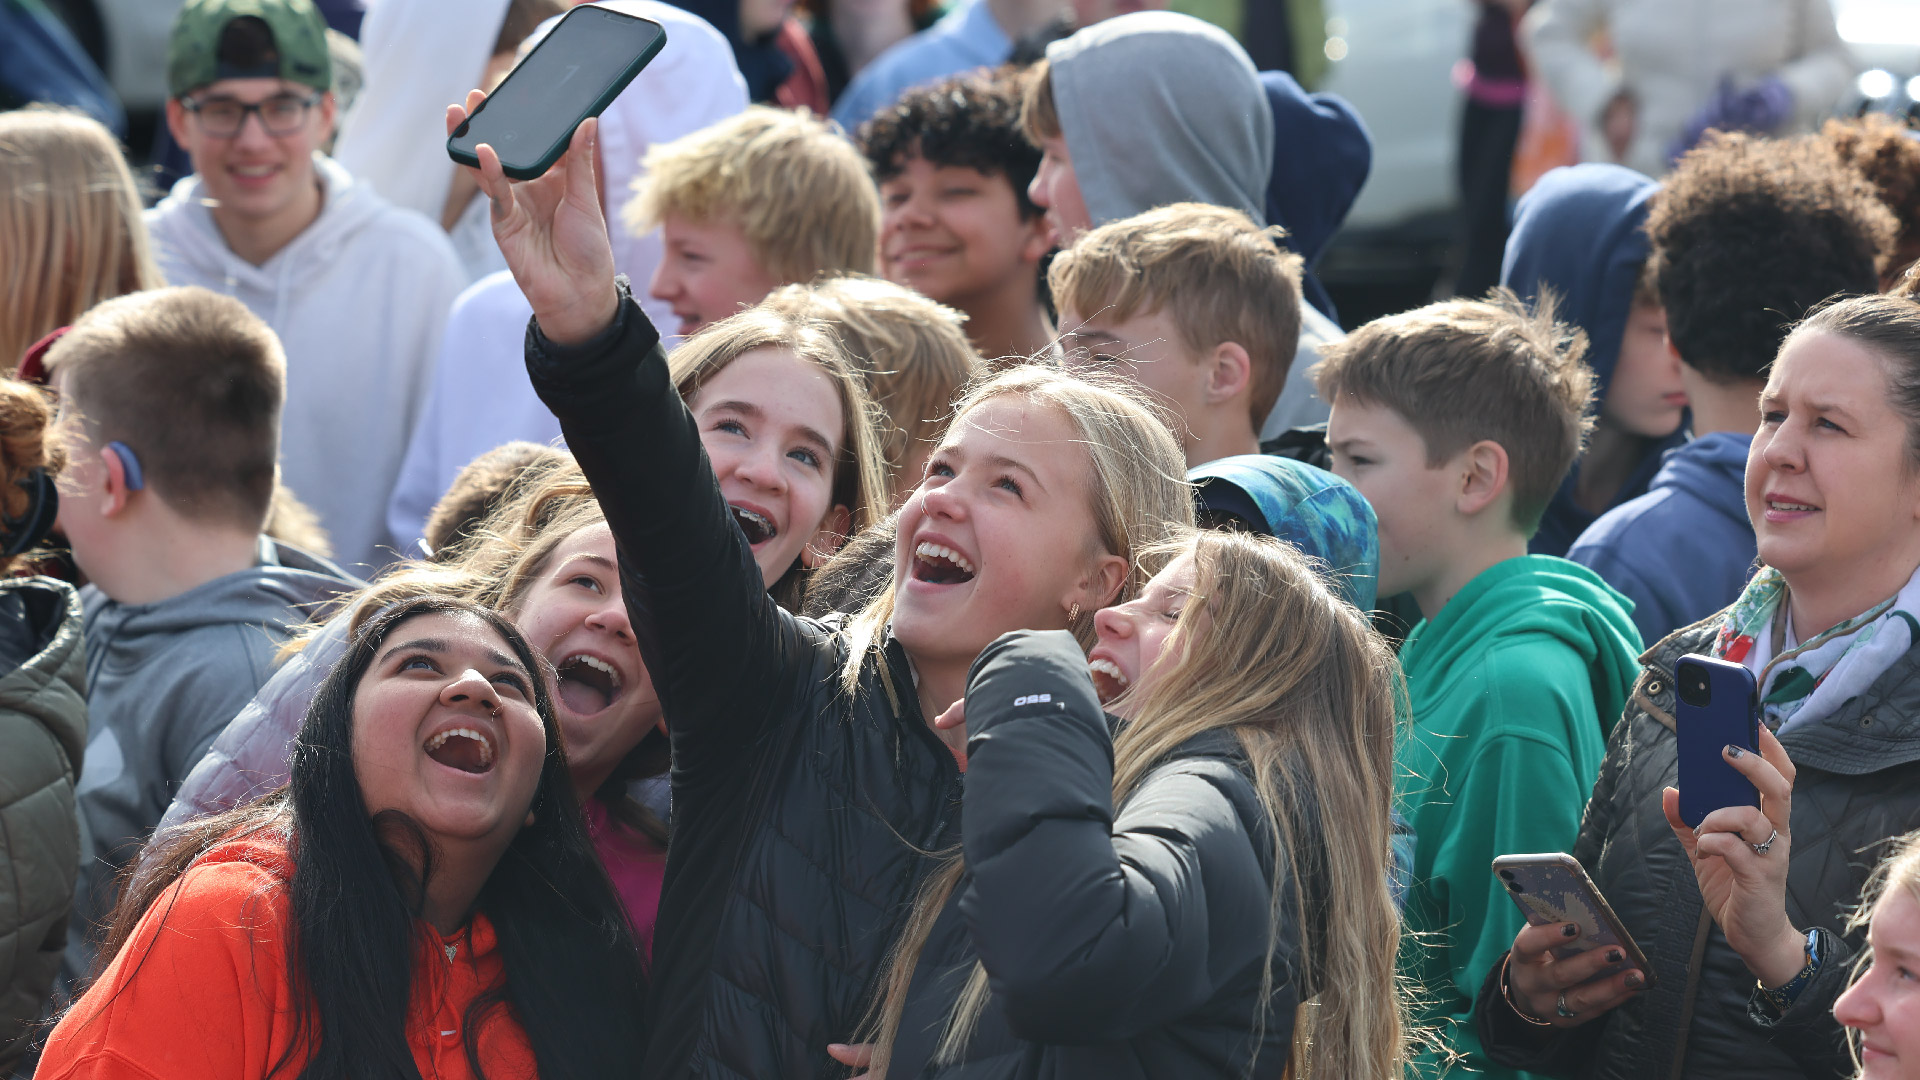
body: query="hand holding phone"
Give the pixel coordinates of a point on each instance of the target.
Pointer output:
(552, 234)
(1740, 856)
(1574, 961)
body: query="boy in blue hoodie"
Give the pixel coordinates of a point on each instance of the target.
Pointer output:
(1747, 236)
(170, 410)
(1581, 233)
(1457, 422)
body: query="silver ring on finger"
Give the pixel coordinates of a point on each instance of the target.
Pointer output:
(1560, 1006)
(1764, 846)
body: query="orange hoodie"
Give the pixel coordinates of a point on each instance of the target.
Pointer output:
(201, 989)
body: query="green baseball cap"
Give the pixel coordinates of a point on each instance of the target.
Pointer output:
(299, 37)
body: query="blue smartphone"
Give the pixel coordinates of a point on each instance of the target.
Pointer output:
(573, 73)
(1718, 706)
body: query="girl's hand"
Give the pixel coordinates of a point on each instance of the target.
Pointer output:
(951, 726)
(1745, 890)
(1558, 992)
(858, 1055)
(552, 233)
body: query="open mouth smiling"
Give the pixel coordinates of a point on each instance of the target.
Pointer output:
(466, 749)
(938, 564)
(756, 526)
(586, 684)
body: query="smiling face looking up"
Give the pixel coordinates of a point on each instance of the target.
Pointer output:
(773, 427)
(446, 731)
(1131, 658)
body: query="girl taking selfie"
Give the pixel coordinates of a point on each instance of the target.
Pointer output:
(808, 785)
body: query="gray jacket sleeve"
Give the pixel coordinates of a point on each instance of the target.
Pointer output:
(250, 757)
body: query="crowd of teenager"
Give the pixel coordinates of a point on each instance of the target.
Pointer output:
(934, 592)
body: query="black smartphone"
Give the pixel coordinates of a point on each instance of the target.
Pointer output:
(1718, 707)
(1554, 888)
(573, 73)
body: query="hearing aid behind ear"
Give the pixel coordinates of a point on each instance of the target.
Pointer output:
(129, 464)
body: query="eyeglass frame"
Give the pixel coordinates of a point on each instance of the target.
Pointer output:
(253, 110)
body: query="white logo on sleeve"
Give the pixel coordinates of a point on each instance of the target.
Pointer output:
(1032, 699)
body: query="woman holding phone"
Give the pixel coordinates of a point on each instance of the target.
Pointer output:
(1744, 920)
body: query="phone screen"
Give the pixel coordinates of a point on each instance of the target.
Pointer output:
(570, 75)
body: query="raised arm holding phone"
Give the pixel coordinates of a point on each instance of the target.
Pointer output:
(808, 784)
(1744, 918)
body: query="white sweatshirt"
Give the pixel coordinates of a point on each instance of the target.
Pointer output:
(481, 397)
(359, 300)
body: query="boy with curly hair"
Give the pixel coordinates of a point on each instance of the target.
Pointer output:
(1748, 235)
(956, 223)
(1457, 422)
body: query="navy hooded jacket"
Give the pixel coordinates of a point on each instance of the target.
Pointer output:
(1581, 231)
(1685, 549)
(1321, 156)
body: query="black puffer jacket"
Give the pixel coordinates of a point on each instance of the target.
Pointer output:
(801, 815)
(1117, 945)
(1857, 784)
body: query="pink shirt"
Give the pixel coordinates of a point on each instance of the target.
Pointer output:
(636, 864)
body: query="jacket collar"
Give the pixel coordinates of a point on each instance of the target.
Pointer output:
(1877, 730)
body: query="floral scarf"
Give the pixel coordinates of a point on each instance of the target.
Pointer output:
(1814, 678)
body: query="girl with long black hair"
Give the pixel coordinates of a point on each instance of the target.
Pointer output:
(420, 900)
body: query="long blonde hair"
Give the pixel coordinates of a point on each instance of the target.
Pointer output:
(1139, 494)
(1267, 651)
(69, 223)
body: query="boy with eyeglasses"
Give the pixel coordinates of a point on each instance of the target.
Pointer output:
(357, 289)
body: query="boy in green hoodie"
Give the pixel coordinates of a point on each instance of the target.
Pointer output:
(1458, 422)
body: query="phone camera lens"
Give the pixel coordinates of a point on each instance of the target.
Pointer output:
(1694, 688)
(1515, 886)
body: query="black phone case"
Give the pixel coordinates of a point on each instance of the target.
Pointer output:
(532, 170)
(1732, 716)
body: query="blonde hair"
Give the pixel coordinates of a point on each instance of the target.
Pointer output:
(859, 473)
(1267, 651)
(69, 223)
(799, 192)
(1461, 371)
(910, 350)
(1139, 492)
(1219, 276)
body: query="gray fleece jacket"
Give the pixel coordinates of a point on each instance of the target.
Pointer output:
(162, 680)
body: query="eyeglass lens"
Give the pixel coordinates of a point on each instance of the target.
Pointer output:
(281, 114)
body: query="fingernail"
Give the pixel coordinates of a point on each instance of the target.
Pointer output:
(1570, 930)
(1635, 980)
(1734, 751)
(1614, 956)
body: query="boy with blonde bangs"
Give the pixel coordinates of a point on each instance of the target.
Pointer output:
(1458, 422)
(912, 353)
(759, 200)
(1196, 303)
(170, 409)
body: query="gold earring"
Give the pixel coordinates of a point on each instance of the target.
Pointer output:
(1073, 613)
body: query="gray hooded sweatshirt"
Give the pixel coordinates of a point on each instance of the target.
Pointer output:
(1161, 108)
(162, 680)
